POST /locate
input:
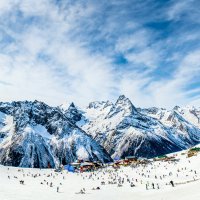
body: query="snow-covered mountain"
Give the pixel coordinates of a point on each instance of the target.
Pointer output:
(191, 114)
(124, 130)
(33, 134)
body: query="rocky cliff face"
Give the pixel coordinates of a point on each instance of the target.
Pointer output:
(34, 134)
(124, 130)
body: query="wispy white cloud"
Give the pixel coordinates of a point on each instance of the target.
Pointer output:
(178, 8)
(138, 39)
(147, 57)
(48, 65)
(172, 91)
(66, 51)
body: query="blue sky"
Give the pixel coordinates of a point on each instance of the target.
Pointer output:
(87, 50)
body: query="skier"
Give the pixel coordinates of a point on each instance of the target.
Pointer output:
(172, 183)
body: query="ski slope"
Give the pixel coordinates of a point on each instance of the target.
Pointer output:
(185, 174)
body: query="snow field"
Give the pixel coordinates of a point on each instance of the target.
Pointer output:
(185, 174)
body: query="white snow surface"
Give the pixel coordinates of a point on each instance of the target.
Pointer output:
(38, 129)
(65, 106)
(185, 174)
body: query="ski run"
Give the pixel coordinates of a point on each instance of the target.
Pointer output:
(160, 179)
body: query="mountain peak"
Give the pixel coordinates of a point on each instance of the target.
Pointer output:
(176, 108)
(65, 106)
(72, 105)
(126, 103)
(121, 97)
(73, 113)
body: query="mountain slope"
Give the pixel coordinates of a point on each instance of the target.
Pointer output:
(124, 130)
(33, 134)
(39, 135)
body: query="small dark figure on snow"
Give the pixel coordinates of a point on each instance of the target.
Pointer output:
(132, 185)
(172, 183)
